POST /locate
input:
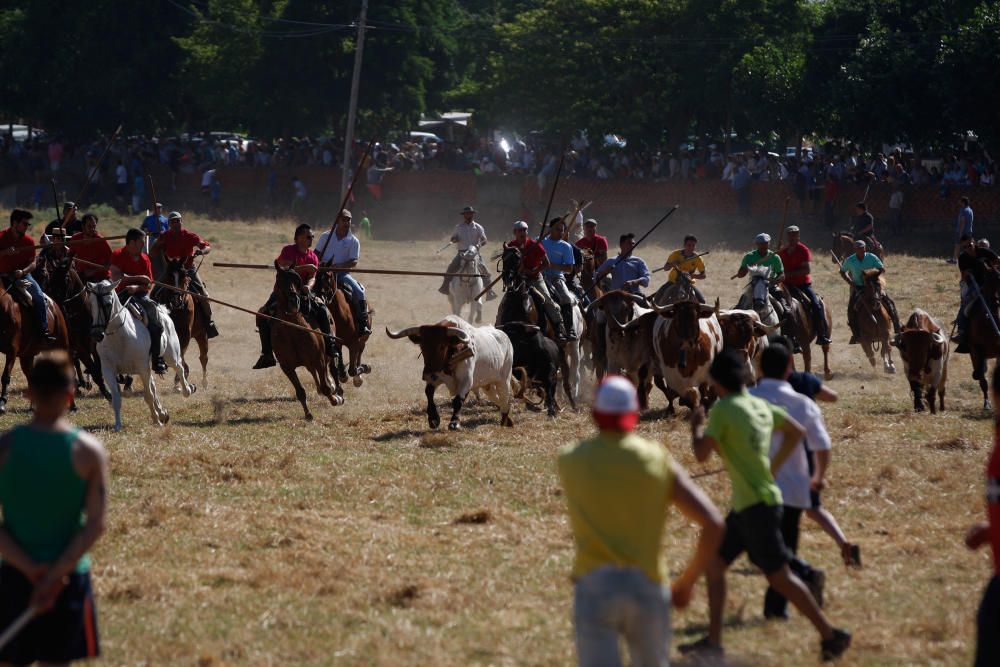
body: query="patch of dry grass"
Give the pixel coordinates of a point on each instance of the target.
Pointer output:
(240, 534)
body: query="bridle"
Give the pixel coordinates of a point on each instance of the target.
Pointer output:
(107, 313)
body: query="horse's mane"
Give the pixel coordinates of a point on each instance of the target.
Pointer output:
(869, 273)
(759, 270)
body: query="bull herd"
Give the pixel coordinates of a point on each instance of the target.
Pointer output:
(669, 346)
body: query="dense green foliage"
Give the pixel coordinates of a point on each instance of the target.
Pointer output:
(914, 71)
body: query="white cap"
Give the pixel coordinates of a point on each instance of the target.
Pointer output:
(791, 229)
(860, 244)
(616, 396)
(762, 238)
(520, 224)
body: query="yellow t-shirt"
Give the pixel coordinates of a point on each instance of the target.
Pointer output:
(686, 264)
(618, 488)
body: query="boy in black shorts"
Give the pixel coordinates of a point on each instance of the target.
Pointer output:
(53, 485)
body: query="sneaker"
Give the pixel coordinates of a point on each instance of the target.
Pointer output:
(816, 584)
(265, 361)
(211, 331)
(833, 648)
(704, 648)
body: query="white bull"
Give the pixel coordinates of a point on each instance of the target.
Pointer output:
(463, 358)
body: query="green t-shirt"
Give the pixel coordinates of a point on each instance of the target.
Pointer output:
(742, 425)
(618, 488)
(855, 267)
(771, 261)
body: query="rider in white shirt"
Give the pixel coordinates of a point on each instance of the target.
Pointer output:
(468, 233)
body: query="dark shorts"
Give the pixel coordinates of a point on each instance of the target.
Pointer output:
(65, 633)
(988, 626)
(814, 499)
(756, 530)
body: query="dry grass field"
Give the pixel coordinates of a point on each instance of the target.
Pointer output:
(240, 534)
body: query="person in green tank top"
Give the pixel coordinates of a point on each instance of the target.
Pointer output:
(739, 429)
(53, 488)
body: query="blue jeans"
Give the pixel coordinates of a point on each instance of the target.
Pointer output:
(818, 313)
(38, 303)
(357, 291)
(613, 601)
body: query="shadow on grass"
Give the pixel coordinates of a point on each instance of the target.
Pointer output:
(732, 621)
(400, 435)
(240, 400)
(210, 422)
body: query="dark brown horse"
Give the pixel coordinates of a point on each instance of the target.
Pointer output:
(984, 344)
(805, 329)
(874, 322)
(843, 245)
(20, 339)
(345, 328)
(62, 283)
(189, 321)
(294, 348)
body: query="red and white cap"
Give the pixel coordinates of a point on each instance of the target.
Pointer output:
(616, 404)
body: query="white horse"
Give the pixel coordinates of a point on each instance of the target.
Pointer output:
(463, 291)
(123, 346)
(757, 297)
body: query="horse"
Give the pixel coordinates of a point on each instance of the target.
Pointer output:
(123, 346)
(805, 330)
(463, 291)
(294, 348)
(519, 305)
(19, 338)
(189, 321)
(62, 283)
(843, 245)
(984, 343)
(345, 328)
(874, 322)
(682, 289)
(757, 297)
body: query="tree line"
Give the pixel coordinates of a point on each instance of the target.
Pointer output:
(658, 72)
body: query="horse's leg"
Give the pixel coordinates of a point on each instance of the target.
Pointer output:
(433, 418)
(300, 392)
(114, 395)
(869, 352)
(887, 364)
(979, 364)
(322, 380)
(827, 374)
(574, 374)
(932, 399)
(202, 341)
(357, 369)
(160, 415)
(807, 355)
(918, 394)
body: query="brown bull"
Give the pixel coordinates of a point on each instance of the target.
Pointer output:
(617, 306)
(924, 350)
(743, 332)
(630, 354)
(20, 339)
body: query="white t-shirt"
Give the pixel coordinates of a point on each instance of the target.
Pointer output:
(300, 190)
(577, 232)
(469, 234)
(793, 476)
(206, 178)
(896, 200)
(337, 250)
(121, 173)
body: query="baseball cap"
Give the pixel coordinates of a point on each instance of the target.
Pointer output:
(68, 205)
(344, 213)
(520, 224)
(590, 221)
(174, 215)
(860, 244)
(762, 238)
(616, 404)
(792, 229)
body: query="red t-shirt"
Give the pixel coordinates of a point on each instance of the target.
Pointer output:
(793, 258)
(290, 255)
(181, 244)
(131, 266)
(597, 244)
(532, 255)
(993, 499)
(98, 252)
(10, 262)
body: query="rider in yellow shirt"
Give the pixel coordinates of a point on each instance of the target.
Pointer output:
(687, 260)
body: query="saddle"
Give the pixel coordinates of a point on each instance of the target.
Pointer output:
(137, 311)
(19, 291)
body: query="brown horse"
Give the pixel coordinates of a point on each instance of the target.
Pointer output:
(188, 320)
(294, 347)
(843, 245)
(874, 322)
(345, 328)
(19, 338)
(805, 330)
(62, 283)
(984, 343)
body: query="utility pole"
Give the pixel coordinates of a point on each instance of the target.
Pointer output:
(352, 109)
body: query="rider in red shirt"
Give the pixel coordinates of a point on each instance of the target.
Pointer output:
(17, 261)
(132, 268)
(594, 242)
(91, 247)
(988, 618)
(180, 243)
(300, 256)
(797, 260)
(534, 260)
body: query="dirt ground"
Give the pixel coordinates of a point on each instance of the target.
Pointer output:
(240, 534)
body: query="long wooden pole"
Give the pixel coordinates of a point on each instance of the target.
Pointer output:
(67, 242)
(700, 254)
(224, 303)
(97, 167)
(330, 269)
(598, 279)
(552, 195)
(784, 220)
(55, 199)
(347, 195)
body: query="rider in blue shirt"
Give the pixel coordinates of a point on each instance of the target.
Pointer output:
(561, 261)
(155, 223)
(628, 273)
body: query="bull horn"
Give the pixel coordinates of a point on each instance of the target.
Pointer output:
(459, 334)
(408, 331)
(717, 310)
(636, 299)
(618, 325)
(768, 331)
(665, 311)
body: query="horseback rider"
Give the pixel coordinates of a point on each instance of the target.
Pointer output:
(796, 257)
(628, 272)
(852, 271)
(973, 262)
(298, 255)
(132, 268)
(468, 233)
(686, 260)
(863, 226)
(92, 248)
(180, 244)
(561, 261)
(155, 223)
(763, 256)
(534, 260)
(69, 222)
(56, 252)
(341, 250)
(593, 242)
(573, 277)
(17, 261)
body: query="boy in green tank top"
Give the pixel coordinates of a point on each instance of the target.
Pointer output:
(53, 487)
